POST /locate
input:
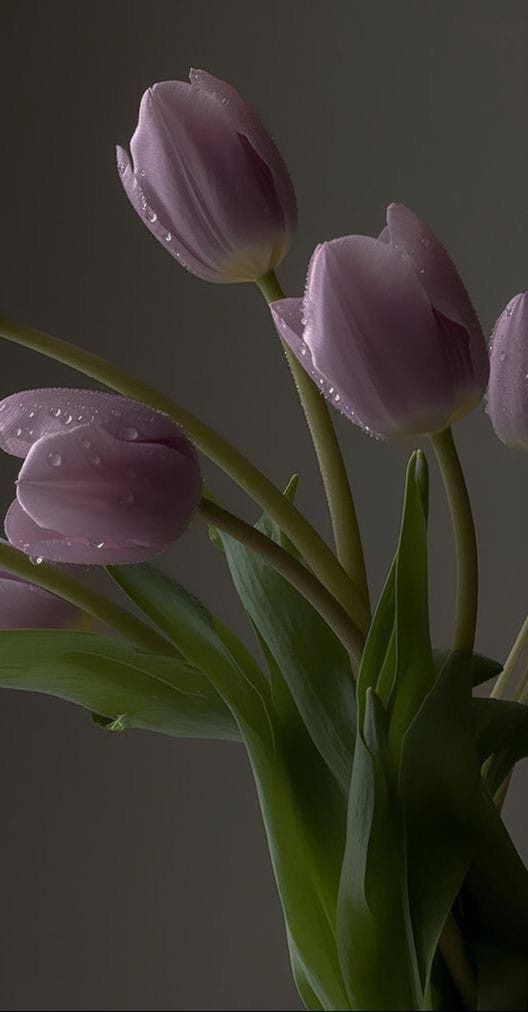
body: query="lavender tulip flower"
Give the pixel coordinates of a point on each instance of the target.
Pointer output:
(24, 606)
(387, 330)
(208, 181)
(508, 387)
(104, 479)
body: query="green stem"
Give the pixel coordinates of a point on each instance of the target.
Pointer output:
(465, 540)
(90, 601)
(511, 662)
(341, 505)
(293, 571)
(308, 542)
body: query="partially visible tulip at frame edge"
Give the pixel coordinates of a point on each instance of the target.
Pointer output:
(208, 181)
(104, 479)
(387, 330)
(507, 403)
(24, 606)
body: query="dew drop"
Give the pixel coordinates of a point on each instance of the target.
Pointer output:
(337, 398)
(167, 236)
(502, 356)
(421, 270)
(67, 419)
(31, 414)
(18, 432)
(94, 459)
(54, 459)
(127, 499)
(116, 412)
(121, 167)
(142, 173)
(129, 433)
(80, 418)
(36, 560)
(85, 443)
(55, 412)
(96, 543)
(2, 407)
(150, 215)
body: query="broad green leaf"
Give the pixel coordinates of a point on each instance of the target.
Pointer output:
(502, 979)
(495, 892)
(307, 653)
(377, 670)
(209, 645)
(414, 663)
(483, 668)
(192, 628)
(502, 734)
(127, 687)
(374, 932)
(439, 789)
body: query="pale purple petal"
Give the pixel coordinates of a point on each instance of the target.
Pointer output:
(24, 606)
(371, 329)
(22, 532)
(89, 483)
(26, 416)
(208, 182)
(440, 278)
(287, 317)
(508, 387)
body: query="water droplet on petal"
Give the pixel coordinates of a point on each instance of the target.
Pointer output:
(502, 356)
(67, 419)
(121, 167)
(36, 560)
(2, 407)
(55, 412)
(167, 236)
(150, 215)
(337, 398)
(129, 433)
(85, 443)
(96, 543)
(31, 414)
(142, 173)
(116, 413)
(94, 459)
(54, 459)
(18, 432)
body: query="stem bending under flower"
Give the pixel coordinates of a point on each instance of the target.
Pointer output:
(465, 540)
(341, 505)
(293, 571)
(308, 542)
(56, 581)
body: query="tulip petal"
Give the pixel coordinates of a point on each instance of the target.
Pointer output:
(27, 416)
(89, 483)
(369, 319)
(287, 316)
(41, 543)
(248, 123)
(439, 276)
(202, 187)
(508, 388)
(24, 606)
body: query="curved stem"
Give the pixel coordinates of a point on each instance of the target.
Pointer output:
(308, 542)
(465, 540)
(339, 497)
(293, 571)
(83, 597)
(511, 662)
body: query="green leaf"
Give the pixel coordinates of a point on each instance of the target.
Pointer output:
(439, 789)
(374, 933)
(125, 687)
(284, 781)
(502, 979)
(483, 668)
(192, 628)
(502, 734)
(307, 653)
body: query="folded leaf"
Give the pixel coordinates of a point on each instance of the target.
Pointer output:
(502, 734)
(140, 690)
(307, 653)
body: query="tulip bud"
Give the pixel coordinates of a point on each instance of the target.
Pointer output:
(208, 181)
(24, 606)
(387, 331)
(104, 479)
(508, 387)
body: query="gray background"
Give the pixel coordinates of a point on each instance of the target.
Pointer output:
(133, 869)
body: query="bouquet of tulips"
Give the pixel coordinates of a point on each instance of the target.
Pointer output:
(380, 775)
